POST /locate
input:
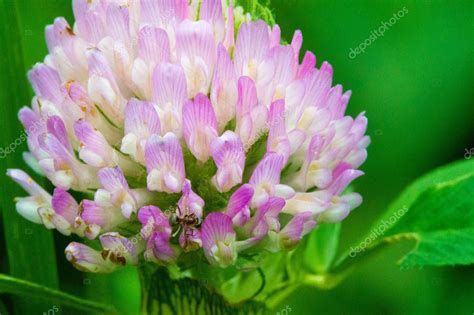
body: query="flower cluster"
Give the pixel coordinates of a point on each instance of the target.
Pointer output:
(185, 127)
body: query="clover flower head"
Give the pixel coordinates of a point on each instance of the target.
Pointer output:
(184, 127)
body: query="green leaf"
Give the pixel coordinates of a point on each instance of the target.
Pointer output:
(442, 222)
(30, 247)
(28, 289)
(243, 286)
(321, 247)
(436, 212)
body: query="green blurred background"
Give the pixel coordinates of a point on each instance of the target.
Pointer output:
(415, 83)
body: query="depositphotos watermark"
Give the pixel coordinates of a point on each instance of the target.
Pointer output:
(52, 311)
(377, 33)
(379, 231)
(284, 311)
(469, 153)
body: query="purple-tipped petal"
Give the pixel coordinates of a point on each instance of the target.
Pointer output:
(190, 203)
(264, 178)
(278, 141)
(65, 205)
(114, 182)
(117, 21)
(266, 217)
(300, 225)
(218, 239)
(169, 93)
(238, 207)
(118, 249)
(251, 47)
(229, 155)
(224, 92)
(99, 218)
(94, 148)
(196, 51)
(157, 231)
(211, 11)
(46, 83)
(199, 126)
(28, 184)
(165, 164)
(141, 121)
(87, 259)
(153, 45)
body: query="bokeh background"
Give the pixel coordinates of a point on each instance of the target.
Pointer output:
(415, 83)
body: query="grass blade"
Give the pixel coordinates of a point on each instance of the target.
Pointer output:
(30, 249)
(28, 289)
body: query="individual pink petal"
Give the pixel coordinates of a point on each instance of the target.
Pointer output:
(211, 11)
(190, 203)
(265, 176)
(99, 218)
(218, 239)
(229, 35)
(91, 26)
(118, 249)
(252, 46)
(94, 148)
(196, 52)
(247, 99)
(266, 217)
(118, 20)
(60, 34)
(99, 65)
(275, 36)
(341, 182)
(300, 225)
(114, 182)
(28, 184)
(46, 83)
(296, 43)
(308, 64)
(60, 167)
(284, 69)
(199, 126)
(224, 88)
(65, 205)
(162, 12)
(31, 121)
(153, 216)
(250, 116)
(165, 164)
(340, 208)
(169, 92)
(159, 250)
(278, 141)
(79, 7)
(238, 207)
(314, 202)
(87, 259)
(141, 121)
(55, 126)
(157, 230)
(229, 155)
(141, 118)
(52, 220)
(153, 45)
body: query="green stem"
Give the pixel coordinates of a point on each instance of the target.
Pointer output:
(163, 295)
(28, 289)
